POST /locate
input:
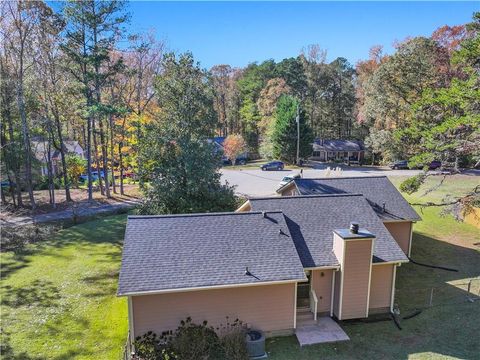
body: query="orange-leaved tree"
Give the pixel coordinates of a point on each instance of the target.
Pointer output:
(233, 146)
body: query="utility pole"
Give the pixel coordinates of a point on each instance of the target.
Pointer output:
(297, 119)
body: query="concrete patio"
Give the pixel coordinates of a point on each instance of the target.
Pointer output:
(324, 331)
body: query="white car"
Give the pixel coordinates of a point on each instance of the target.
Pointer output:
(288, 178)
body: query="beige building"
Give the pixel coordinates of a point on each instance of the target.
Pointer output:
(268, 264)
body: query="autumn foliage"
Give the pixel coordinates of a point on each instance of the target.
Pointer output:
(234, 146)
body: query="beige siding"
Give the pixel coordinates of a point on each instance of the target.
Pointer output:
(268, 308)
(338, 244)
(401, 233)
(356, 275)
(289, 190)
(336, 296)
(322, 284)
(381, 286)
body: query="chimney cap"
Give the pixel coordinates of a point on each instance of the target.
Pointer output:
(354, 227)
(347, 234)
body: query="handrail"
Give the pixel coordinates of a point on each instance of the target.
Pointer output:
(313, 296)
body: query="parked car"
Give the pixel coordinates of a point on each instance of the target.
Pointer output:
(241, 160)
(435, 164)
(288, 178)
(84, 177)
(399, 164)
(273, 165)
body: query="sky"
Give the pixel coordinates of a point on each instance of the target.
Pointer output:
(238, 33)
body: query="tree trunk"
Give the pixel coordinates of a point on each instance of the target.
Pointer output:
(26, 138)
(103, 145)
(95, 155)
(120, 164)
(51, 185)
(112, 159)
(58, 127)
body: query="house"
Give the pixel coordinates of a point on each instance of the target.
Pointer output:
(390, 206)
(350, 151)
(40, 150)
(271, 263)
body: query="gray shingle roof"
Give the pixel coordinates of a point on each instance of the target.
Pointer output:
(338, 145)
(312, 219)
(378, 190)
(198, 250)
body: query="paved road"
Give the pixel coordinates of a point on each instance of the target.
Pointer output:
(264, 183)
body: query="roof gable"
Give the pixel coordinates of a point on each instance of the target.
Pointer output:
(381, 194)
(312, 219)
(205, 250)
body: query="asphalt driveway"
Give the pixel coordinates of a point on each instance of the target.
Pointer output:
(255, 182)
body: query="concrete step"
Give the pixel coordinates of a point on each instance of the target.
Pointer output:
(302, 309)
(305, 322)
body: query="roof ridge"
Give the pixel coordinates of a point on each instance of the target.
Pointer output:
(343, 177)
(202, 214)
(305, 196)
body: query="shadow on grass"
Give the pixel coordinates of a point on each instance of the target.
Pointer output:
(41, 293)
(106, 230)
(447, 328)
(102, 284)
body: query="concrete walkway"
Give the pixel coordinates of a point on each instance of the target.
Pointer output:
(324, 331)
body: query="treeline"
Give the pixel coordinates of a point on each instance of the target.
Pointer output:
(64, 77)
(245, 99)
(76, 74)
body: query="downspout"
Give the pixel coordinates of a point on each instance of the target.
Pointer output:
(131, 326)
(394, 276)
(333, 292)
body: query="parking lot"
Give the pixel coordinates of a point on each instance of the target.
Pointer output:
(255, 182)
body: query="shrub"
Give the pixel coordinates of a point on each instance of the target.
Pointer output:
(233, 340)
(192, 341)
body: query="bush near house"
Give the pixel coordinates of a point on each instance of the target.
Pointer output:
(191, 341)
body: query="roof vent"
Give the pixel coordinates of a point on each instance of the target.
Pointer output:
(383, 207)
(264, 214)
(354, 228)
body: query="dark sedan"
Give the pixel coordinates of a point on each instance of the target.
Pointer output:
(273, 165)
(400, 164)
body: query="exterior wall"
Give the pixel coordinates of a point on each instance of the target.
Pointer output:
(401, 232)
(381, 286)
(336, 295)
(267, 307)
(323, 288)
(356, 278)
(290, 192)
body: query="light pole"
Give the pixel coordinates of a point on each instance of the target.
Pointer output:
(297, 119)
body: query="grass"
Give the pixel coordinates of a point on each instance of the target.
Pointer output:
(448, 329)
(58, 297)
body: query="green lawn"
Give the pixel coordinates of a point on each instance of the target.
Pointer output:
(449, 329)
(58, 297)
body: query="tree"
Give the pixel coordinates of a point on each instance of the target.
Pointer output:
(234, 146)
(380, 142)
(446, 122)
(179, 162)
(75, 168)
(267, 102)
(284, 134)
(24, 19)
(93, 29)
